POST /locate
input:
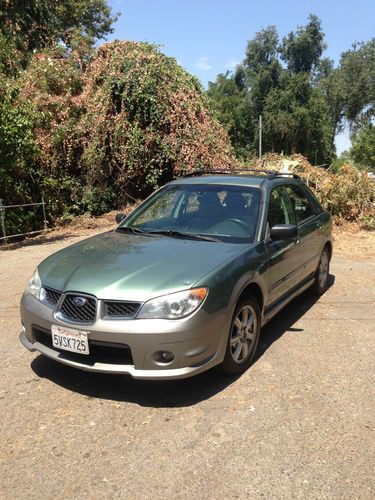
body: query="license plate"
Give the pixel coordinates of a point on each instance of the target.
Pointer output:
(70, 340)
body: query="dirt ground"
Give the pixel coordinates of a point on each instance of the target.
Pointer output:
(300, 423)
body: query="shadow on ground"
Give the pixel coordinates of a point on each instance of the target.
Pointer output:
(284, 321)
(175, 393)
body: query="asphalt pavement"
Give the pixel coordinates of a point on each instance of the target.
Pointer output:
(300, 423)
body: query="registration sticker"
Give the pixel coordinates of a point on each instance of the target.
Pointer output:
(69, 339)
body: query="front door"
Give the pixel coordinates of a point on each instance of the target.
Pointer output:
(285, 257)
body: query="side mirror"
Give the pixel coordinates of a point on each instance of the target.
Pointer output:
(283, 232)
(120, 218)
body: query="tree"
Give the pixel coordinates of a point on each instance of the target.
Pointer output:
(296, 119)
(280, 81)
(37, 24)
(302, 50)
(232, 107)
(329, 81)
(356, 90)
(261, 65)
(363, 149)
(357, 72)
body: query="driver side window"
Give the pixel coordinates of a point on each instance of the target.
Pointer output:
(280, 210)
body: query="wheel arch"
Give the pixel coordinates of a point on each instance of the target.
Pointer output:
(254, 290)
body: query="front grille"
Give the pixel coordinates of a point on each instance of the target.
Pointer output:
(117, 309)
(52, 296)
(100, 352)
(72, 311)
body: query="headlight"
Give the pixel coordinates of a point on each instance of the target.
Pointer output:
(175, 305)
(34, 286)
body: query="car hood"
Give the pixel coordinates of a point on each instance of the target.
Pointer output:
(122, 266)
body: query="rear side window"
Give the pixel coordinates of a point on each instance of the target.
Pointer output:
(302, 206)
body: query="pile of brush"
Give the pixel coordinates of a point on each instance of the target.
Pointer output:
(349, 194)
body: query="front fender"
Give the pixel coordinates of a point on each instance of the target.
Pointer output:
(227, 282)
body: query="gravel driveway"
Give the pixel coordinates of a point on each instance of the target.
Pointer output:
(300, 423)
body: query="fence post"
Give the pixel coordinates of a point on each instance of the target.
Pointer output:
(2, 217)
(44, 214)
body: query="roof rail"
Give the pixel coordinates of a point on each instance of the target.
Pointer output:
(269, 174)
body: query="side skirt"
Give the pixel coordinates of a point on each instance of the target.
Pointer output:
(274, 308)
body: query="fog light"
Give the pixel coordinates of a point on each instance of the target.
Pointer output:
(164, 356)
(167, 356)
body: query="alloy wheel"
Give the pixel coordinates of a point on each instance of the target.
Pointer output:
(323, 269)
(243, 334)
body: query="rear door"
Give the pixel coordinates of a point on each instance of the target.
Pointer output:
(285, 257)
(309, 228)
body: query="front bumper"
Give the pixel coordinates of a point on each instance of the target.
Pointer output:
(197, 343)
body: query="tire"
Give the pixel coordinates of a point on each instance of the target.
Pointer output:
(321, 276)
(243, 337)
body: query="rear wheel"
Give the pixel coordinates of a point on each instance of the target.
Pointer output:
(243, 337)
(321, 276)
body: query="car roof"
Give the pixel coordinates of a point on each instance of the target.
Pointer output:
(228, 180)
(243, 177)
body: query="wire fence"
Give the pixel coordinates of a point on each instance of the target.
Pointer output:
(4, 208)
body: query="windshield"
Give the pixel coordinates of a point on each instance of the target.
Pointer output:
(226, 213)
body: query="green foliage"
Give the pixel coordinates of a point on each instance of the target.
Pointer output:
(17, 152)
(279, 81)
(90, 127)
(357, 67)
(230, 106)
(17, 147)
(302, 50)
(54, 40)
(368, 222)
(114, 127)
(363, 149)
(329, 82)
(296, 119)
(36, 24)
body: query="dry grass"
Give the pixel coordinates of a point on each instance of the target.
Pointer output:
(351, 240)
(83, 225)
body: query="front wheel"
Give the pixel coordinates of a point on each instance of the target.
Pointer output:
(243, 337)
(321, 276)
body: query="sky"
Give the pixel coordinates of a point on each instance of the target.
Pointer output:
(209, 37)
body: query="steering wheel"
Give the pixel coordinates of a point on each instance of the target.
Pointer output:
(239, 222)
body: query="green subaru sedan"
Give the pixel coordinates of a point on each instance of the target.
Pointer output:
(185, 282)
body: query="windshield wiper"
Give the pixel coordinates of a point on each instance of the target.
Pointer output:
(181, 234)
(165, 232)
(133, 230)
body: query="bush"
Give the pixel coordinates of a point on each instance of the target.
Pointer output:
(118, 127)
